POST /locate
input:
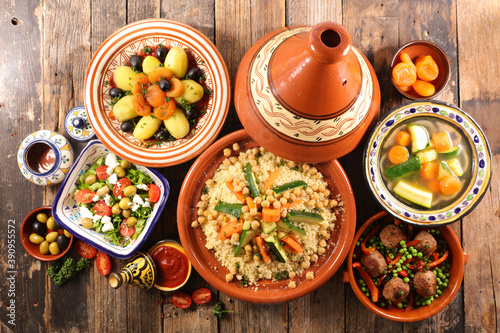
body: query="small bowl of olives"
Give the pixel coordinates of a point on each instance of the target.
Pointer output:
(42, 238)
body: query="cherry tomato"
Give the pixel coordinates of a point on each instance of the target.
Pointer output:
(85, 250)
(120, 185)
(181, 300)
(125, 229)
(102, 172)
(202, 296)
(102, 208)
(103, 263)
(154, 193)
(84, 196)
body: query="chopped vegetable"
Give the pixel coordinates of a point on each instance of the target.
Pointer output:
(219, 310)
(239, 195)
(270, 180)
(229, 229)
(368, 280)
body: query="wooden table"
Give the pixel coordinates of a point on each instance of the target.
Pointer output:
(46, 48)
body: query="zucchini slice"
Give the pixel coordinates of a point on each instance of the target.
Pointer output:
(247, 225)
(419, 137)
(289, 186)
(456, 167)
(252, 183)
(245, 238)
(288, 227)
(300, 216)
(267, 227)
(402, 169)
(413, 194)
(453, 152)
(427, 155)
(444, 170)
(274, 244)
(229, 208)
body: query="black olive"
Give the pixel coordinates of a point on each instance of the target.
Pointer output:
(62, 242)
(165, 85)
(191, 113)
(161, 54)
(39, 228)
(161, 135)
(194, 73)
(115, 92)
(136, 62)
(127, 126)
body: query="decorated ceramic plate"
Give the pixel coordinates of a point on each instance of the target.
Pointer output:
(116, 51)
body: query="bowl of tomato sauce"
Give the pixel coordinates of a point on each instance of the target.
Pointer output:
(172, 265)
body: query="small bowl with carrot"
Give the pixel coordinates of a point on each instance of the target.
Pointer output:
(428, 163)
(420, 70)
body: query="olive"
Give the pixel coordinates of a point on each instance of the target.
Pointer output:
(91, 179)
(136, 62)
(131, 221)
(36, 239)
(127, 126)
(42, 217)
(62, 241)
(129, 191)
(67, 234)
(51, 224)
(116, 210)
(120, 172)
(191, 113)
(39, 228)
(102, 191)
(165, 85)
(194, 73)
(125, 203)
(44, 247)
(161, 54)
(115, 92)
(54, 248)
(126, 213)
(51, 236)
(87, 223)
(161, 135)
(125, 164)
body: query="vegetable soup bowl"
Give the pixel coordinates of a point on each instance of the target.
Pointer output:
(417, 201)
(268, 291)
(65, 209)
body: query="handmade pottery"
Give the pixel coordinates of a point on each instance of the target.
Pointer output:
(139, 271)
(177, 246)
(77, 124)
(45, 157)
(306, 93)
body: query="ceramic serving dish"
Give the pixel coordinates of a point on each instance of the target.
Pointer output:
(116, 50)
(67, 213)
(176, 246)
(205, 262)
(422, 48)
(471, 192)
(34, 249)
(458, 260)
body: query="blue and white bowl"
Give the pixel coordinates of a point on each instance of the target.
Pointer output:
(66, 211)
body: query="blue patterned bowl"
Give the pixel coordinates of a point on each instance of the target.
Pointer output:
(472, 192)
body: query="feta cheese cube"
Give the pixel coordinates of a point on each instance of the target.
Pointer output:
(105, 219)
(113, 179)
(85, 213)
(96, 218)
(138, 200)
(144, 187)
(135, 206)
(107, 200)
(108, 226)
(111, 162)
(95, 198)
(146, 204)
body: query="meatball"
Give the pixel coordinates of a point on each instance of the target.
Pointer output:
(374, 263)
(396, 290)
(427, 244)
(391, 235)
(425, 283)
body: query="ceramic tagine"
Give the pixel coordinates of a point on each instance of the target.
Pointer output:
(306, 93)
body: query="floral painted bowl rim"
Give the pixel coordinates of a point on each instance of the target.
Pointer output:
(481, 167)
(117, 48)
(67, 216)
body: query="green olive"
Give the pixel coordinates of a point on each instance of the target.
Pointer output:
(125, 164)
(125, 203)
(51, 236)
(120, 172)
(36, 239)
(42, 217)
(67, 233)
(116, 210)
(87, 223)
(129, 191)
(44, 247)
(91, 179)
(103, 191)
(54, 248)
(131, 221)
(126, 213)
(51, 224)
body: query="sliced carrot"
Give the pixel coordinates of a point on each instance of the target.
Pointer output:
(403, 138)
(270, 180)
(160, 73)
(427, 69)
(449, 185)
(429, 170)
(166, 110)
(262, 249)
(231, 228)
(293, 244)
(140, 105)
(433, 185)
(271, 214)
(140, 82)
(250, 203)
(292, 203)
(423, 88)
(177, 88)
(239, 195)
(441, 141)
(398, 154)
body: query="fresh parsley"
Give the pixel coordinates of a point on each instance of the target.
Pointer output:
(219, 310)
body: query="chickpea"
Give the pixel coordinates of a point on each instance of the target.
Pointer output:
(120, 172)
(44, 247)
(310, 275)
(314, 258)
(271, 199)
(247, 216)
(206, 213)
(235, 237)
(283, 213)
(36, 239)
(321, 250)
(251, 157)
(209, 182)
(129, 191)
(315, 196)
(202, 205)
(277, 204)
(233, 159)
(269, 192)
(245, 190)
(236, 146)
(125, 164)
(333, 203)
(313, 171)
(292, 285)
(283, 201)
(255, 225)
(253, 212)
(256, 258)
(213, 222)
(321, 188)
(204, 197)
(243, 155)
(247, 257)
(237, 188)
(227, 241)
(305, 167)
(200, 211)
(255, 168)
(227, 152)
(202, 219)
(233, 270)
(87, 223)
(102, 191)
(258, 200)
(319, 204)
(307, 257)
(311, 203)
(126, 213)
(229, 277)
(125, 203)
(90, 179)
(54, 248)
(327, 192)
(305, 265)
(309, 191)
(216, 228)
(265, 204)
(131, 221)
(286, 195)
(226, 162)
(291, 164)
(42, 217)
(194, 224)
(248, 248)
(253, 162)
(255, 150)
(322, 243)
(302, 193)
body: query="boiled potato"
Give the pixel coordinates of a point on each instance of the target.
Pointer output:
(149, 64)
(177, 61)
(146, 127)
(177, 125)
(192, 93)
(124, 109)
(123, 77)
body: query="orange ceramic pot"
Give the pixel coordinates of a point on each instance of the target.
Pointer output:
(307, 94)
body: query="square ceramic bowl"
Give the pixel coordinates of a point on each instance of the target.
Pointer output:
(66, 211)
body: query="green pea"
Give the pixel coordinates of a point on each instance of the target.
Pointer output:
(363, 289)
(389, 266)
(406, 280)
(420, 254)
(42, 217)
(382, 304)
(401, 251)
(391, 255)
(428, 302)
(400, 305)
(409, 257)
(354, 256)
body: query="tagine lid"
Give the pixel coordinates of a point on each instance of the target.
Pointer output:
(306, 93)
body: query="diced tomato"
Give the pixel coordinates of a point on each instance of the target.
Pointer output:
(102, 208)
(202, 296)
(153, 48)
(84, 196)
(125, 229)
(154, 193)
(85, 250)
(102, 172)
(103, 263)
(181, 300)
(120, 185)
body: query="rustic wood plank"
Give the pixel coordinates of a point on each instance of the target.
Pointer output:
(312, 12)
(142, 9)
